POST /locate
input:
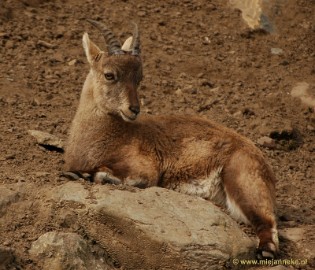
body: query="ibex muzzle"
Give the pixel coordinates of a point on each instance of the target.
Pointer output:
(133, 99)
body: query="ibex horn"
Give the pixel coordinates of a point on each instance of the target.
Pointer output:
(113, 45)
(135, 41)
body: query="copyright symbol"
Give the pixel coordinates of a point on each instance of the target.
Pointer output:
(236, 261)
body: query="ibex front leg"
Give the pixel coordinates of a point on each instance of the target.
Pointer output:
(105, 176)
(102, 176)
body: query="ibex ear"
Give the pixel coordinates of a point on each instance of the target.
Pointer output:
(92, 52)
(127, 45)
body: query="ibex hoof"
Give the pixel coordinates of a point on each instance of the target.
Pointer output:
(267, 251)
(106, 178)
(76, 175)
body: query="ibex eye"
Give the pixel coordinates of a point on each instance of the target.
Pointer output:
(109, 76)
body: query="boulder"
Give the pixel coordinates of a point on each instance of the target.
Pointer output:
(6, 258)
(64, 251)
(157, 228)
(8, 195)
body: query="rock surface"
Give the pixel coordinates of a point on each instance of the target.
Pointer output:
(64, 251)
(47, 139)
(157, 228)
(6, 257)
(8, 196)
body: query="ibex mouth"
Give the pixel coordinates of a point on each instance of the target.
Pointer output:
(128, 118)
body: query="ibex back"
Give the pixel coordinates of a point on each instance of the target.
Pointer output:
(192, 155)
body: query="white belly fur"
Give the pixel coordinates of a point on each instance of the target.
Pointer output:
(209, 188)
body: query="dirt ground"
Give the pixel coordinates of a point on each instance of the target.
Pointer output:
(200, 57)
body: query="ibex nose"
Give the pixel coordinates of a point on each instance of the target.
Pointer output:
(135, 109)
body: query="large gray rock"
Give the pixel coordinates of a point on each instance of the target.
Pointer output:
(65, 251)
(8, 195)
(157, 228)
(6, 258)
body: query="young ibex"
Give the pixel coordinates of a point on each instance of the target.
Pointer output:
(192, 155)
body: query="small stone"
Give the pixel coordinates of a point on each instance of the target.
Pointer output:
(57, 57)
(47, 140)
(60, 31)
(248, 112)
(4, 35)
(46, 44)
(10, 156)
(303, 91)
(10, 44)
(153, 36)
(179, 92)
(7, 197)
(162, 23)
(144, 101)
(35, 102)
(205, 83)
(183, 75)
(142, 13)
(7, 243)
(193, 91)
(276, 51)
(237, 114)
(267, 142)
(42, 174)
(284, 63)
(73, 62)
(310, 128)
(206, 41)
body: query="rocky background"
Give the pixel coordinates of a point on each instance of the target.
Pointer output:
(249, 65)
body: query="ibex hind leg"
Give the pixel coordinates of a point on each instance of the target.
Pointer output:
(249, 191)
(263, 223)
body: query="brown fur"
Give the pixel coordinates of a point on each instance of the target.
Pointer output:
(188, 154)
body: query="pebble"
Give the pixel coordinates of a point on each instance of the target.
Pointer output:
(73, 62)
(142, 13)
(4, 35)
(205, 82)
(310, 128)
(46, 139)
(42, 174)
(9, 44)
(267, 142)
(46, 44)
(179, 92)
(6, 243)
(35, 102)
(276, 51)
(10, 156)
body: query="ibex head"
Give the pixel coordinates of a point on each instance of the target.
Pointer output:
(116, 73)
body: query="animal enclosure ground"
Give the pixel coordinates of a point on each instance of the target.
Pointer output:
(199, 58)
